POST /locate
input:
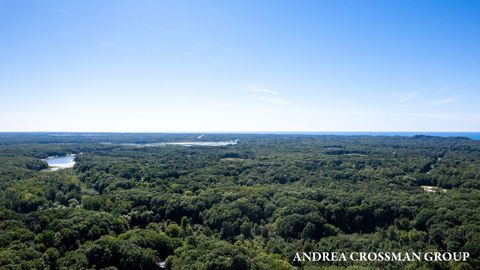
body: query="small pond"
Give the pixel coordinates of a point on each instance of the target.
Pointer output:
(60, 162)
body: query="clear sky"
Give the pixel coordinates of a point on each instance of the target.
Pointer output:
(239, 65)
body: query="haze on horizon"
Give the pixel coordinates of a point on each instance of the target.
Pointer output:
(159, 66)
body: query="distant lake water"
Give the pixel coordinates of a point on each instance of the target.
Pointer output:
(471, 135)
(60, 162)
(220, 143)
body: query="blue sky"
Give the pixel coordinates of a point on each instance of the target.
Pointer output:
(239, 65)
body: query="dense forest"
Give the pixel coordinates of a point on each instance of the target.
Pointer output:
(251, 205)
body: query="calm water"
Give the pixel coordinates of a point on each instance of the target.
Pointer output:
(221, 143)
(471, 135)
(62, 162)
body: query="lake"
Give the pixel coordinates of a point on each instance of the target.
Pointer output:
(60, 162)
(220, 143)
(471, 135)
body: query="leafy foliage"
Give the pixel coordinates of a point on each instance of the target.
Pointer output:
(245, 206)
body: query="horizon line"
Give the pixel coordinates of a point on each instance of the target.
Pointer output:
(243, 132)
